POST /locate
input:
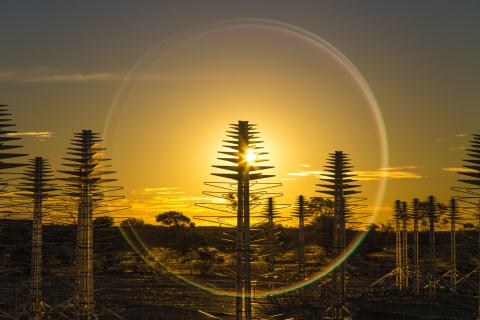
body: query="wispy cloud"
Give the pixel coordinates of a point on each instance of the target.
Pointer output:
(307, 173)
(158, 191)
(412, 167)
(159, 199)
(42, 74)
(368, 175)
(41, 135)
(75, 77)
(388, 174)
(440, 140)
(459, 148)
(457, 169)
(460, 135)
(49, 75)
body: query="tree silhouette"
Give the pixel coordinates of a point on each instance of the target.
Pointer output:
(173, 219)
(319, 206)
(103, 222)
(132, 222)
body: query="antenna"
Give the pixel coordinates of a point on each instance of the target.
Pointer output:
(86, 169)
(338, 183)
(240, 198)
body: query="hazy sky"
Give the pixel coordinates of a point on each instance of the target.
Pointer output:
(63, 63)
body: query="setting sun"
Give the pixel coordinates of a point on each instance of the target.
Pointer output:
(250, 156)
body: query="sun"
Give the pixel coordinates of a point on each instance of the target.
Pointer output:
(250, 156)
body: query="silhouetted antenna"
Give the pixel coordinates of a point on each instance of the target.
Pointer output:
(301, 212)
(273, 217)
(36, 186)
(85, 178)
(432, 214)
(7, 136)
(469, 200)
(339, 185)
(453, 216)
(271, 234)
(398, 246)
(401, 273)
(405, 260)
(401, 247)
(416, 215)
(243, 156)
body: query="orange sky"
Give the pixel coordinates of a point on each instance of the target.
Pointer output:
(171, 96)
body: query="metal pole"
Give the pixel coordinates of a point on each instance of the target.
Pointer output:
(246, 226)
(36, 266)
(245, 178)
(433, 260)
(241, 220)
(340, 221)
(342, 249)
(398, 247)
(478, 263)
(86, 302)
(271, 259)
(301, 238)
(239, 252)
(405, 245)
(453, 246)
(416, 278)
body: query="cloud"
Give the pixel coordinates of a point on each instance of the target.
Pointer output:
(160, 199)
(49, 75)
(457, 148)
(458, 169)
(368, 175)
(304, 165)
(440, 140)
(6, 75)
(45, 75)
(75, 77)
(307, 173)
(388, 174)
(42, 135)
(399, 168)
(460, 135)
(157, 191)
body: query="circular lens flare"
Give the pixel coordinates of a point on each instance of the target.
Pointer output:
(136, 241)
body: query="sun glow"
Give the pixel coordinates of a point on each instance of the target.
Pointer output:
(250, 156)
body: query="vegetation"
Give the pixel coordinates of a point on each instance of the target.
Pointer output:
(174, 219)
(132, 222)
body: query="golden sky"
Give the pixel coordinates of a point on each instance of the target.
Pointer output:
(164, 93)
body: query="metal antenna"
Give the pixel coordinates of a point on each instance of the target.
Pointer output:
(405, 261)
(338, 183)
(432, 214)
(5, 138)
(83, 182)
(6, 156)
(273, 217)
(398, 246)
(453, 212)
(36, 185)
(270, 230)
(246, 193)
(301, 212)
(416, 252)
(470, 195)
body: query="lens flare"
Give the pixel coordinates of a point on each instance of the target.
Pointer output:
(135, 240)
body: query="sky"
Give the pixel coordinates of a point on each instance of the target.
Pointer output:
(163, 79)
